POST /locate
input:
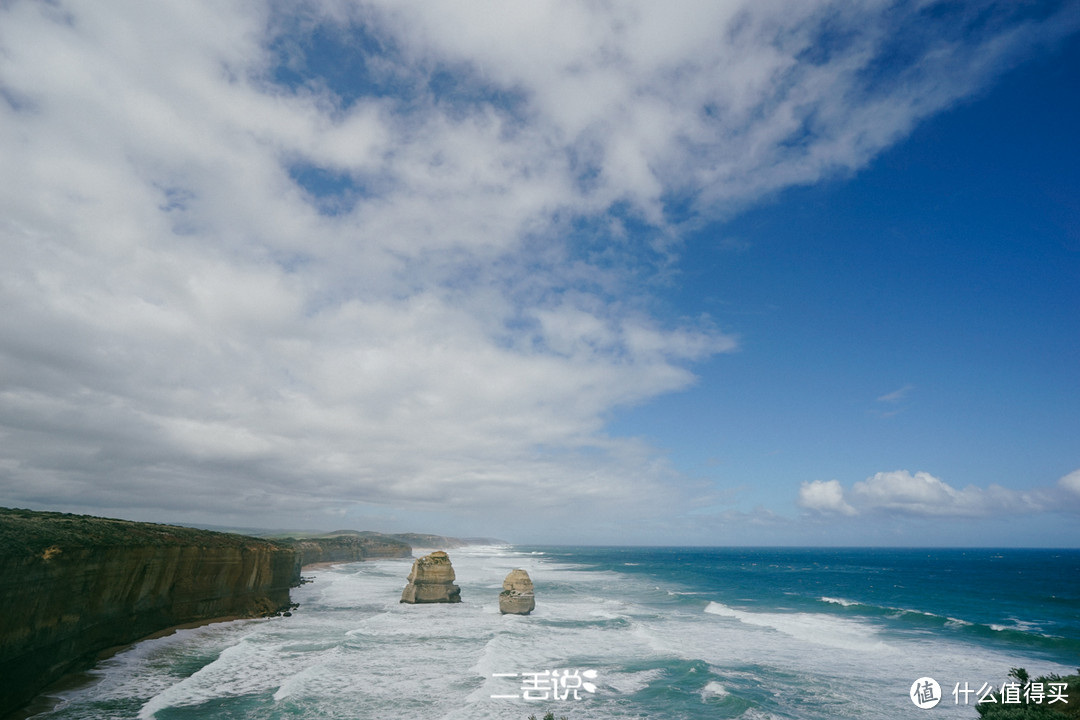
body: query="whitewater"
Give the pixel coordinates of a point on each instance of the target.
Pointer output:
(662, 633)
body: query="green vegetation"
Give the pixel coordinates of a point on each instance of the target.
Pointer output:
(37, 533)
(1060, 698)
(346, 547)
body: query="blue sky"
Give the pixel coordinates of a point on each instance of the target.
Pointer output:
(713, 273)
(922, 314)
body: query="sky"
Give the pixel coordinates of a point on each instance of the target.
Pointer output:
(703, 273)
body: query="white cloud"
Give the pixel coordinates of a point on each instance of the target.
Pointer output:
(1071, 482)
(919, 494)
(896, 395)
(183, 321)
(825, 497)
(730, 100)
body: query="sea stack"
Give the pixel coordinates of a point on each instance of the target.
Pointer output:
(432, 581)
(517, 596)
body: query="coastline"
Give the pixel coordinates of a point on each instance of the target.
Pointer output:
(772, 618)
(50, 697)
(323, 564)
(80, 589)
(75, 586)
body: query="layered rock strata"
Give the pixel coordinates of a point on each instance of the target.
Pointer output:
(432, 581)
(424, 540)
(517, 597)
(73, 585)
(349, 547)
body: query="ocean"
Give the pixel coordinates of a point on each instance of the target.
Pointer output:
(620, 632)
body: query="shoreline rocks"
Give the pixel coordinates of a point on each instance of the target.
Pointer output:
(431, 581)
(517, 597)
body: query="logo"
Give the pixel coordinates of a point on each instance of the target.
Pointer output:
(552, 684)
(925, 693)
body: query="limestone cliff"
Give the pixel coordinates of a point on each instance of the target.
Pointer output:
(432, 581)
(348, 546)
(425, 540)
(73, 585)
(517, 596)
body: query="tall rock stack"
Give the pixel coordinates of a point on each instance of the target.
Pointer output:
(432, 581)
(517, 596)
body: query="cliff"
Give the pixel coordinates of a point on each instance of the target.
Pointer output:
(73, 585)
(348, 546)
(423, 540)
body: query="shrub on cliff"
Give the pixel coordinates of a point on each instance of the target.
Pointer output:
(33, 532)
(1050, 708)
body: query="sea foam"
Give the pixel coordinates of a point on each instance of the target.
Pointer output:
(352, 650)
(838, 601)
(810, 627)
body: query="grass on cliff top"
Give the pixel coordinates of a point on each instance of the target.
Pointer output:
(366, 540)
(410, 539)
(32, 531)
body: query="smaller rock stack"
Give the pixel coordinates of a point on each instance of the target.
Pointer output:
(517, 596)
(432, 581)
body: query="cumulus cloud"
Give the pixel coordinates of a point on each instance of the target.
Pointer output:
(918, 494)
(824, 497)
(1071, 482)
(234, 270)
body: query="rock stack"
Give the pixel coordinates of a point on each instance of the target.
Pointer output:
(432, 581)
(517, 596)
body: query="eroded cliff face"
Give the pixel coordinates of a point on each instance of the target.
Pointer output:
(71, 586)
(349, 547)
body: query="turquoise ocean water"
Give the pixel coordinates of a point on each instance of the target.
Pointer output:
(661, 633)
